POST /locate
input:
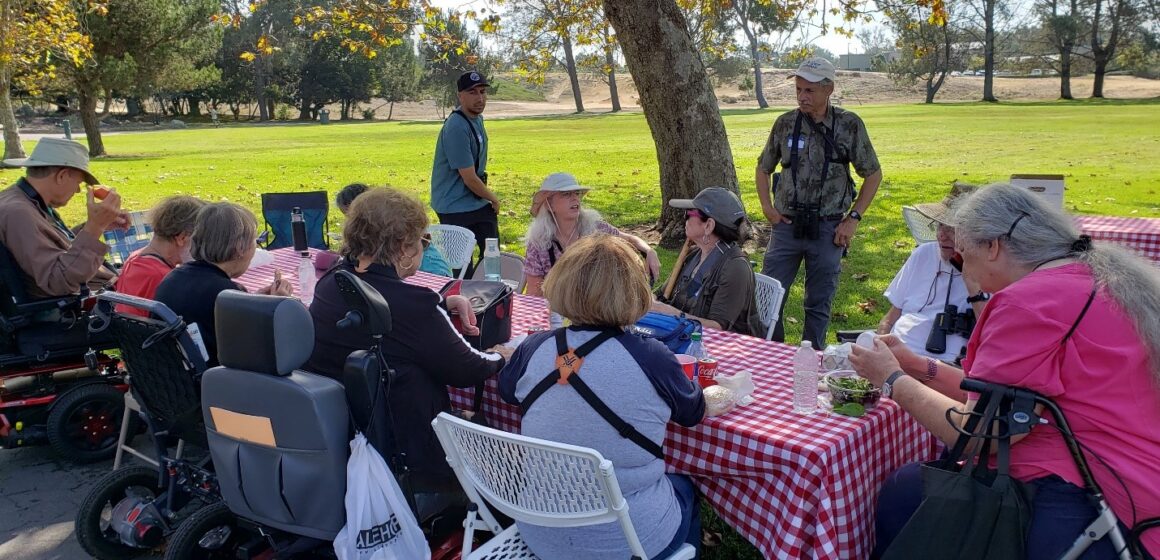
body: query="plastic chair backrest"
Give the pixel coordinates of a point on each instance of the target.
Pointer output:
(276, 210)
(456, 243)
(922, 228)
(533, 480)
(511, 271)
(769, 294)
(122, 243)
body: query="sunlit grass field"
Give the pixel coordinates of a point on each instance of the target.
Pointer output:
(1109, 152)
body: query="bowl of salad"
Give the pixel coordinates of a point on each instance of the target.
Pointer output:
(846, 388)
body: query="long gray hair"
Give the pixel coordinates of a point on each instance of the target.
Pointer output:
(1044, 233)
(543, 227)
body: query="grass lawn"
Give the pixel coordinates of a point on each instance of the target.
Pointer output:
(1107, 150)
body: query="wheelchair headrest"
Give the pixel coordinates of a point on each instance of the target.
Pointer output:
(265, 334)
(368, 310)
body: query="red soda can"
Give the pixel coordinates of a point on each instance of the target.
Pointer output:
(707, 372)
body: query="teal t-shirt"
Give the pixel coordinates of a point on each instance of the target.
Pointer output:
(434, 263)
(454, 150)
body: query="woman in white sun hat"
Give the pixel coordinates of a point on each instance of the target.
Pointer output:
(560, 220)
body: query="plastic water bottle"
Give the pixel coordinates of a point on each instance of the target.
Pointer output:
(491, 264)
(805, 379)
(306, 279)
(696, 349)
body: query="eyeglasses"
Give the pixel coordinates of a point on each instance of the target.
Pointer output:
(572, 194)
(1015, 223)
(694, 213)
(425, 240)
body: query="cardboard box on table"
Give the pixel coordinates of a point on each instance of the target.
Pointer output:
(1048, 186)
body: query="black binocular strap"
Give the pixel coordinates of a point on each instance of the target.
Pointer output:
(478, 139)
(830, 146)
(623, 428)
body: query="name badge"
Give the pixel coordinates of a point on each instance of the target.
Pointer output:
(801, 142)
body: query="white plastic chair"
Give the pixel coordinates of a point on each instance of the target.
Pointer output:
(534, 481)
(456, 243)
(769, 295)
(511, 271)
(922, 228)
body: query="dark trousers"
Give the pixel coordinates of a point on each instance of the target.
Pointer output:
(823, 261)
(689, 532)
(483, 222)
(1059, 513)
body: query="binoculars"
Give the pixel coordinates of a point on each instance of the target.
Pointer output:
(950, 321)
(806, 219)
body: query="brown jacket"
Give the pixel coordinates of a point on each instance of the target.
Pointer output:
(52, 264)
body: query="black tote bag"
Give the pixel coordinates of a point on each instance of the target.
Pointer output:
(968, 510)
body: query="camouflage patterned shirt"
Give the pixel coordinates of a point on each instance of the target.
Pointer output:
(853, 146)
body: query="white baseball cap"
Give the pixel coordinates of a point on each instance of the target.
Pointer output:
(816, 69)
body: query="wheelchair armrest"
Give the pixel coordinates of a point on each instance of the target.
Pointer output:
(23, 313)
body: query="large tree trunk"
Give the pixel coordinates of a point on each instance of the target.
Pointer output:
(610, 61)
(573, 76)
(1065, 73)
(1098, 81)
(692, 147)
(989, 50)
(88, 102)
(12, 147)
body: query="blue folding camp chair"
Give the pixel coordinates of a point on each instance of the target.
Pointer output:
(276, 209)
(122, 243)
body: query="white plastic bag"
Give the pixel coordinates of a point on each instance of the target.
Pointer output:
(379, 523)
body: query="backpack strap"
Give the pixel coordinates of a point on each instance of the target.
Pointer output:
(567, 371)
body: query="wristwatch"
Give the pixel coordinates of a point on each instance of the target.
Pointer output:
(888, 386)
(855, 215)
(981, 296)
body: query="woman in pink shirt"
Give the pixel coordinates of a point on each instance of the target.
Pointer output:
(1075, 322)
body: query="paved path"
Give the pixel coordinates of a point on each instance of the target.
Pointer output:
(39, 497)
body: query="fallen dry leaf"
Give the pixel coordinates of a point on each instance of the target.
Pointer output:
(868, 306)
(862, 276)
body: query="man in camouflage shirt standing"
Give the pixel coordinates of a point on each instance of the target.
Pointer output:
(810, 208)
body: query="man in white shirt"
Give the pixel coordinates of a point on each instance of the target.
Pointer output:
(926, 285)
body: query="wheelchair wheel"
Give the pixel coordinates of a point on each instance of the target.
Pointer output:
(212, 532)
(85, 421)
(94, 524)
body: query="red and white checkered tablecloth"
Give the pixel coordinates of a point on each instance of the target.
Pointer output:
(795, 486)
(1139, 234)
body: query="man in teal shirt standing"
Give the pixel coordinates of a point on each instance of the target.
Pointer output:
(459, 192)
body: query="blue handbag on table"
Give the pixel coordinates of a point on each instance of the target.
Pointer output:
(674, 332)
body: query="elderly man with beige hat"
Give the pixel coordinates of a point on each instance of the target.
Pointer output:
(811, 203)
(925, 289)
(54, 260)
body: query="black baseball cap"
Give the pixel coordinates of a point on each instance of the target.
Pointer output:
(471, 79)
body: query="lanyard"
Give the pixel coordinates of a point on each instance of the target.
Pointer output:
(796, 140)
(45, 209)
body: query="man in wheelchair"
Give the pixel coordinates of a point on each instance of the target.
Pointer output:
(53, 259)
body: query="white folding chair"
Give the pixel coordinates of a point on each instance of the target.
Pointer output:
(769, 295)
(456, 243)
(535, 481)
(511, 271)
(922, 228)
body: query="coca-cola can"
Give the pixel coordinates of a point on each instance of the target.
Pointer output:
(707, 372)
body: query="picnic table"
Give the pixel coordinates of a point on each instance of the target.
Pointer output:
(1139, 234)
(796, 486)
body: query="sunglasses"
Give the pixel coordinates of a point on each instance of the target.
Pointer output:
(694, 213)
(425, 240)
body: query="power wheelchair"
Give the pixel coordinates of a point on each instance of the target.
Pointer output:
(58, 385)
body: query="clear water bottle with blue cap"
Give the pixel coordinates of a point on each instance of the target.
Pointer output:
(491, 264)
